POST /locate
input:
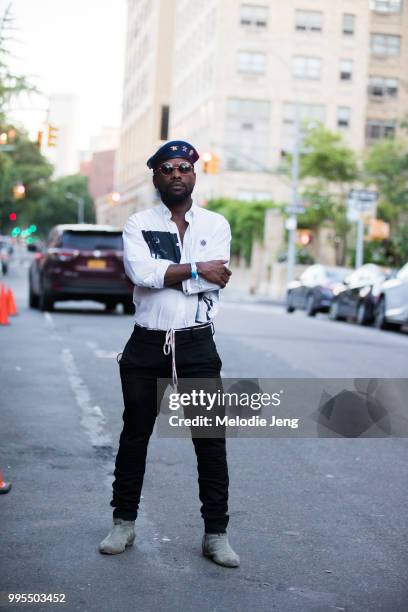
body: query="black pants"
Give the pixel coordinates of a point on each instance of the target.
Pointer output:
(142, 362)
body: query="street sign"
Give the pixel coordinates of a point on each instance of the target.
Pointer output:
(295, 210)
(361, 202)
(291, 223)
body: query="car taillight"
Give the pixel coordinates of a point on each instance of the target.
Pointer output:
(62, 254)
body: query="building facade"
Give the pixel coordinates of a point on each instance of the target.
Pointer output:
(228, 75)
(145, 105)
(63, 115)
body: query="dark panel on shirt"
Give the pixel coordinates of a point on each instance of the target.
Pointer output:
(162, 245)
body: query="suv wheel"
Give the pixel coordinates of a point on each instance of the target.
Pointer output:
(310, 306)
(33, 300)
(334, 311)
(380, 321)
(362, 318)
(46, 302)
(128, 307)
(289, 303)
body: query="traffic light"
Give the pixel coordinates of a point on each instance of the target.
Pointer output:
(39, 140)
(52, 136)
(13, 217)
(16, 231)
(211, 163)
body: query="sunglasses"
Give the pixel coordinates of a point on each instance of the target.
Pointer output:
(167, 168)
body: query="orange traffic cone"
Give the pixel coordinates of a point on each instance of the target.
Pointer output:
(3, 307)
(4, 486)
(11, 305)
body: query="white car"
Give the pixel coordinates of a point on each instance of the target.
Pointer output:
(391, 311)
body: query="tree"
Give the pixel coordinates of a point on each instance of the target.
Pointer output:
(246, 220)
(11, 84)
(386, 164)
(54, 207)
(332, 167)
(23, 164)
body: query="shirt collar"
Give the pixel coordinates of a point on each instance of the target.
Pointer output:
(189, 216)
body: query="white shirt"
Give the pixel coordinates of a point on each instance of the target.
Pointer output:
(152, 243)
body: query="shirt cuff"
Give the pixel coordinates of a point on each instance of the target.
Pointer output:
(192, 286)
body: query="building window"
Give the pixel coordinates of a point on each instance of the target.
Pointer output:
(377, 128)
(382, 87)
(306, 67)
(348, 25)
(386, 6)
(253, 63)
(343, 117)
(310, 115)
(164, 122)
(385, 45)
(255, 16)
(308, 21)
(346, 70)
(247, 135)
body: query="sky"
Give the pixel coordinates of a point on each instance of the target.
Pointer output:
(71, 46)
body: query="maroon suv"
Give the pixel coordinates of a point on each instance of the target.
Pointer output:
(80, 262)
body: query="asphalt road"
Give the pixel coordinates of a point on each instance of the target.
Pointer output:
(320, 524)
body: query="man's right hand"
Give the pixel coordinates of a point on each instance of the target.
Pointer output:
(214, 271)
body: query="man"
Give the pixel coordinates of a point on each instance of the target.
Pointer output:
(175, 254)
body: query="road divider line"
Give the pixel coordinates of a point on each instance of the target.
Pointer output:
(92, 420)
(48, 319)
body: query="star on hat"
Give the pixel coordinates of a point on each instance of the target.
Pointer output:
(174, 148)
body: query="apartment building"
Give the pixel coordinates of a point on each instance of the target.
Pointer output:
(145, 105)
(226, 75)
(387, 90)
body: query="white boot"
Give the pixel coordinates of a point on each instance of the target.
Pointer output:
(217, 548)
(120, 536)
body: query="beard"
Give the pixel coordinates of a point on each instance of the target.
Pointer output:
(170, 198)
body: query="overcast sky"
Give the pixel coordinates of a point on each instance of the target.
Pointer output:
(72, 46)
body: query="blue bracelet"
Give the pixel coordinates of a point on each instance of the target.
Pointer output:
(194, 273)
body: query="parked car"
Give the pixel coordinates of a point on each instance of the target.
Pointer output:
(313, 291)
(357, 297)
(80, 262)
(391, 310)
(6, 251)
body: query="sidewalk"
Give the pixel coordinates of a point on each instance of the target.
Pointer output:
(243, 297)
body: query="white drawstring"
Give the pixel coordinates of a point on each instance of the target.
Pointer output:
(170, 346)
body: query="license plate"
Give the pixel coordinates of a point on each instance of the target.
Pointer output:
(96, 264)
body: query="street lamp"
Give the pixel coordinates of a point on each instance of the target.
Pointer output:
(291, 224)
(80, 203)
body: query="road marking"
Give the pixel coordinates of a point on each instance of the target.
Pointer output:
(272, 309)
(93, 420)
(101, 354)
(48, 319)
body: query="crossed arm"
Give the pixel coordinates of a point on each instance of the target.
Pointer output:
(145, 271)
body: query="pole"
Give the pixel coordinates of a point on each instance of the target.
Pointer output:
(360, 242)
(81, 207)
(292, 225)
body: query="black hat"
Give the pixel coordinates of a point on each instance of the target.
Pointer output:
(173, 148)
